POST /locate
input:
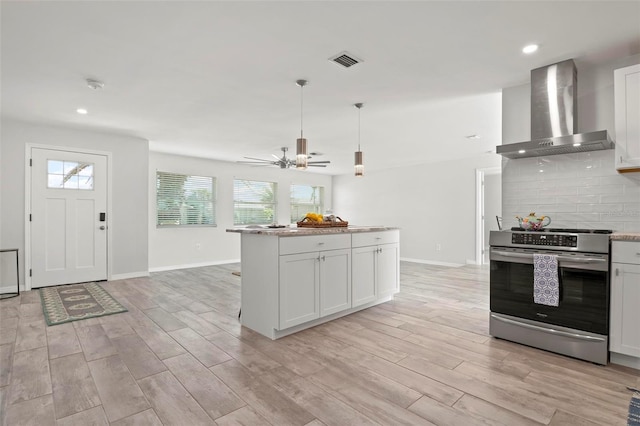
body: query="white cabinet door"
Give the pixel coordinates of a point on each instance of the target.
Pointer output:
(299, 289)
(335, 281)
(388, 274)
(627, 121)
(625, 315)
(363, 275)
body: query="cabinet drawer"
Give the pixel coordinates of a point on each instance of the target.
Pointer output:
(625, 252)
(363, 239)
(308, 243)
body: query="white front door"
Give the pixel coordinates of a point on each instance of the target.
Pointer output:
(68, 217)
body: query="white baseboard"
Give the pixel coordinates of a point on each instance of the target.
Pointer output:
(192, 265)
(128, 275)
(626, 360)
(431, 262)
(10, 289)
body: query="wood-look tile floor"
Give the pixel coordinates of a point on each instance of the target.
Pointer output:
(180, 357)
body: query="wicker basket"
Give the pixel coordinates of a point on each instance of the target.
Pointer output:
(308, 223)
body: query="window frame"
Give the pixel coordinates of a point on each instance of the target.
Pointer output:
(212, 202)
(318, 208)
(274, 203)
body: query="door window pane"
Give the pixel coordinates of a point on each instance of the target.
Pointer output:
(69, 175)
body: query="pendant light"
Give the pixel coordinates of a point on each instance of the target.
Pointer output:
(301, 143)
(359, 166)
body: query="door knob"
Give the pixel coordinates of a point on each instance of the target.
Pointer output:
(102, 228)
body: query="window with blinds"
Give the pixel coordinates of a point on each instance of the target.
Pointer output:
(306, 199)
(184, 200)
(254, 202)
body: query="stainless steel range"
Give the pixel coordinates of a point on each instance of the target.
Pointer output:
(579, 325)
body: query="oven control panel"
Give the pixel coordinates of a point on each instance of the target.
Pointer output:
(555, 240)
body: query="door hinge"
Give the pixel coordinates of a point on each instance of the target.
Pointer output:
(30, 272)
(30, 217)
(30, 162)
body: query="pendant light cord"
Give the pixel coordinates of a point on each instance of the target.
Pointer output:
(358, 129)
(301, 109)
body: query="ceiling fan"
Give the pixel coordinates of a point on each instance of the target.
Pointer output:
(283, 163)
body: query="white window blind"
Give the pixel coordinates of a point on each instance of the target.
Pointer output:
(306, 199)
(184, 200)
(254, 202)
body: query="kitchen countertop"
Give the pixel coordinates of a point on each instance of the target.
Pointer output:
(625, 236)
(294, 231)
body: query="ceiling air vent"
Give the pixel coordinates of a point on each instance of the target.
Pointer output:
(345, 59)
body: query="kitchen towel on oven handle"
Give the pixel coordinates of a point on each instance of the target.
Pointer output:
(546, 285)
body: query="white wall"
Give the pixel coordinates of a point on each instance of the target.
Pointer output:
(180, 247)
(580, 190)
(430, 203)
(130, 158)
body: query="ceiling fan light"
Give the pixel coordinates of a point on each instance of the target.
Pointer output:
(301, 153)
(359, 166)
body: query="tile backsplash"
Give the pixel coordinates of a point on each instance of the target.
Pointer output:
(581, 190)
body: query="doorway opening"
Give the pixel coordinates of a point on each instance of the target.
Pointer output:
(488, 209)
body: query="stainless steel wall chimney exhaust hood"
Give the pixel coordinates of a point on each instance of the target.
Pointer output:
(554, 117)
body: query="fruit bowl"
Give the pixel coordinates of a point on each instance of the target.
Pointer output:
(532, 222)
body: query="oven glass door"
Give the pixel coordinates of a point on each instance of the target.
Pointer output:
(584, 289)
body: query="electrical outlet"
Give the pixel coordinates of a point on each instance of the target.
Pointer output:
(438, 247)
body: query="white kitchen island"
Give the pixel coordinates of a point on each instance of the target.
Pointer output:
(296, 278)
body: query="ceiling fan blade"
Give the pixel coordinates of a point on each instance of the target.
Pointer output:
(256, 163)
(316, 165)
(276, 157)
(257, 159)
(318, 162)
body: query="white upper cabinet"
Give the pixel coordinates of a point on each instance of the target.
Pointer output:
(627, 117)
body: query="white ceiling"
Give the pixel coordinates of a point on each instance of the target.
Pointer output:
(217, 79)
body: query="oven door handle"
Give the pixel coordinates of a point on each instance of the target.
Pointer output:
(549, 330)
(560, 258)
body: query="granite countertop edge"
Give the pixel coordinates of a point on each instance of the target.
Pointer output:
(292, 232)
(625, 236)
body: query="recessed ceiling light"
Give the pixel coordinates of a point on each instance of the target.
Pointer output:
(522, 151)
(81, 111)
(472, 137)
(577, 144)
(529, 49)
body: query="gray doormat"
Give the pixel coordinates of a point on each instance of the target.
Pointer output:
(73, 302)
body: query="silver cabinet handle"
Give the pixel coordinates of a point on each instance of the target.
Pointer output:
(102, 227)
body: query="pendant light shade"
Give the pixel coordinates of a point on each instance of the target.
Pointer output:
(301, 143)
(359, 165)
(301, 153)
